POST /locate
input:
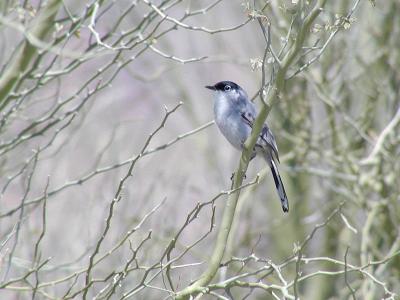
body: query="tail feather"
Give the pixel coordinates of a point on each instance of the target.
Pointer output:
(279, 186)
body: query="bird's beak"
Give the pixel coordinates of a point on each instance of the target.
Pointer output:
(210, 87)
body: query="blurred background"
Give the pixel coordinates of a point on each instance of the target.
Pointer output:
(84, 84)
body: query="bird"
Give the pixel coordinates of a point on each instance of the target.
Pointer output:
(234, 115)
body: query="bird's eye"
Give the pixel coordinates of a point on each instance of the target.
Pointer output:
(227, 88)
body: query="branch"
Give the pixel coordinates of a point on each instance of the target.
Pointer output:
(381, 139)
(26, 52)
(232, 201)
(194, 28)
(118, 197)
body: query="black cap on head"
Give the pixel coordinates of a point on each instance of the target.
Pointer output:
(223, 86)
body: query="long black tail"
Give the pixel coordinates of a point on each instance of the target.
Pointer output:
(279, 186)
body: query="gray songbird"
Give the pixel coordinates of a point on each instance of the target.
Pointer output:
(235, 114)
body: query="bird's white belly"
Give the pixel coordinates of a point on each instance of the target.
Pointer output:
(230, 122)
(233, 130)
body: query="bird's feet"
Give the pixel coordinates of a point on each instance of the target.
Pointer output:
(233, 175)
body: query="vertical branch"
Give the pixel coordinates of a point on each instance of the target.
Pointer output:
(230, 207)
(41, 26)
(345, 275)
(36, 254)
(21, 215)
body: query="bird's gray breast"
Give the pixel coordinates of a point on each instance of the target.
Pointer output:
(229, 121)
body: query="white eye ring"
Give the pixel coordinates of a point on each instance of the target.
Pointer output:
(227, 88)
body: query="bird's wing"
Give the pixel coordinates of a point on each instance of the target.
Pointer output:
(248, 112)
(266, 139)
(247, 118)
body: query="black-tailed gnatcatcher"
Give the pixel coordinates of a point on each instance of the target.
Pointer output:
(234, 115)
